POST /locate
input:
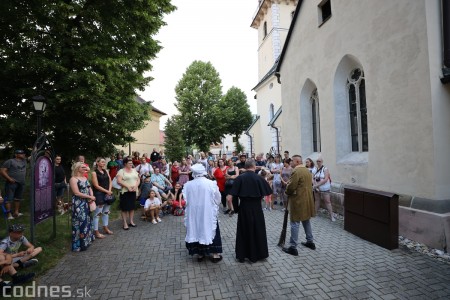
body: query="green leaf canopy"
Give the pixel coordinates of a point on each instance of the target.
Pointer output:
(87, 58)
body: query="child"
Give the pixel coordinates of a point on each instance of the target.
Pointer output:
(268, 199)
(11, 245)
(152, 207)
(145, 189)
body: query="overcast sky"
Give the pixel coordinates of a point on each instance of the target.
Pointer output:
(217, 31)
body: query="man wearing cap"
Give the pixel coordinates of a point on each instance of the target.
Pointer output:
(14, 170)
(201, 216)
(12, 243)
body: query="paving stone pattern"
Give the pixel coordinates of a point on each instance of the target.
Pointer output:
(151, 262)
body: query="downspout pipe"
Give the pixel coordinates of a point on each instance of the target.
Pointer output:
(278, 139)
(251, 143)
(446, 40)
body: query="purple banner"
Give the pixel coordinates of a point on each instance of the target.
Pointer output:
(43, 187)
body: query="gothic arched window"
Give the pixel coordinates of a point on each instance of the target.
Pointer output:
(315, 121)
(358, 111)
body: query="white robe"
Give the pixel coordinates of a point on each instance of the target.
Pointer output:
(202, 207)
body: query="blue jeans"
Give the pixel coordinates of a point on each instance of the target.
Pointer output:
(294, 232)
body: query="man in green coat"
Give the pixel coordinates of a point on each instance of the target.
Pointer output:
(301, 205)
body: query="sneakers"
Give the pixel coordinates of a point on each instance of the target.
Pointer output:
(309, 245)
(159, 220)
(10, 217)
(333, 217)
(291, 250)
(18, 215)
(19, 279)
(154, 221)
(30, 263)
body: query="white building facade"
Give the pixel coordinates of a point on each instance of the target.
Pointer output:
(363, 83)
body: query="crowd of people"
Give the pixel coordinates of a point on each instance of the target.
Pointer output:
(194, 188)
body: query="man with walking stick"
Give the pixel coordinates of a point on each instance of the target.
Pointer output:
(301, 205)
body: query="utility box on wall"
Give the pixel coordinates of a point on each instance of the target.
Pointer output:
(372, 215)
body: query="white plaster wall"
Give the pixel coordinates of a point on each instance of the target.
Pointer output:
(440, 95)
(389, 40)
(265, 97)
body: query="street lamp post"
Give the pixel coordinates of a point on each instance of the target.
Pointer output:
(39, 107)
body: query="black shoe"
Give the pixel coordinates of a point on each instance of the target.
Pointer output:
(275, 202)
(310, 245)
(242, 260)
(19, 279)
(200, 258)
(132, 225)
(227, 211)
(291, 251)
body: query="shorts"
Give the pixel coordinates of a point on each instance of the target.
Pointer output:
(276, 187)
(60, 188)
(13, 191)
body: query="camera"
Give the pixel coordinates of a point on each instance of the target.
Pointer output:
(317, 179)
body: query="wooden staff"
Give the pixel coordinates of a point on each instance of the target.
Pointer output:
(283, 230)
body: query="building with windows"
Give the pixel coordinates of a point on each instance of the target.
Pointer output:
(149, 136)
(272, 20)
(365, 84)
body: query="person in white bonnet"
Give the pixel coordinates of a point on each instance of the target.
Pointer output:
(202, 207)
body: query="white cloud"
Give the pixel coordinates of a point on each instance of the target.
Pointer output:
(208, 30)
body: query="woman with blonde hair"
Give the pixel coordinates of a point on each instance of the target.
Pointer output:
(322, 187)
(82, 235)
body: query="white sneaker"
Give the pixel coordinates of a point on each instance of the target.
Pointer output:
(333, 219)
(159, 220)
(10, 217)
(154, 222)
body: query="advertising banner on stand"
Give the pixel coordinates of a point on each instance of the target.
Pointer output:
(43, 187)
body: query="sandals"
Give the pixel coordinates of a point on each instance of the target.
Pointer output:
(99, 236)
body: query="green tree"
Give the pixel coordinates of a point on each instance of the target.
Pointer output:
(87, 58)
(174, 143)
(236, 114)
(198, 95)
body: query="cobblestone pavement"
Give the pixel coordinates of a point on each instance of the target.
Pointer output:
(151, 262)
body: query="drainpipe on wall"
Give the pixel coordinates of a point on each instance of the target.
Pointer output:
(251, 143)
(278, 139)
(446, 40)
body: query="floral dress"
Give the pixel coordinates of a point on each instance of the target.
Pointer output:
(82, 234)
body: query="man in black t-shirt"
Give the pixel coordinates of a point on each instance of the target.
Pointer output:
(241, 164)
(60, 180)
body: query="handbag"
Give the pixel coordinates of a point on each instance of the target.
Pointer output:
(92, 206)
(109, 199)
(229, 182)
(179, 211)
(115, 184)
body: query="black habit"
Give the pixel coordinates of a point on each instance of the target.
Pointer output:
(251, 237)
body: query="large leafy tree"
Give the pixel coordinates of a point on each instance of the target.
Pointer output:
(87, 58)
(174, 143)
(198, 96)
(236, 114)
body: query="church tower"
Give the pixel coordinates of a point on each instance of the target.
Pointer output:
(272, 20)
